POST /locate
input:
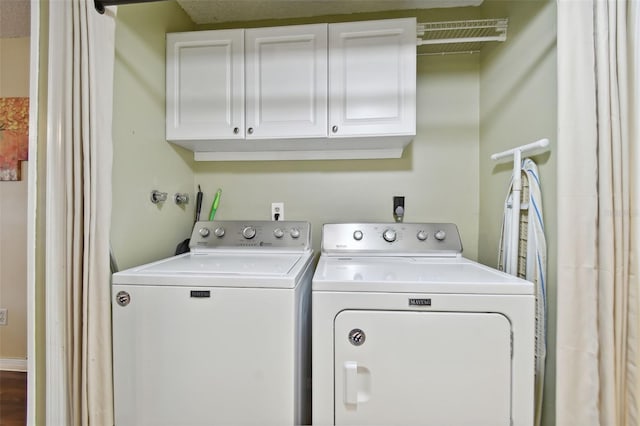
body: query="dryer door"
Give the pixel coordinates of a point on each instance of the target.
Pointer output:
(422, 368)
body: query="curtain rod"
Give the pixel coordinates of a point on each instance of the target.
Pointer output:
(101, 4)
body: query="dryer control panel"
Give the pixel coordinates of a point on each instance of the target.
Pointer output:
(391, 239)
(265, 235)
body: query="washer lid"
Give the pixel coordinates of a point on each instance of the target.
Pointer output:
(412, 275)
(220, 269)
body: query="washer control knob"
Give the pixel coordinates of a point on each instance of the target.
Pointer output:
(357, 235)
(422, 235)
(218, 232)
(249, 232)
(278, 233)
(295, 233)
(204, 232)
(389, 235)
(440, 235)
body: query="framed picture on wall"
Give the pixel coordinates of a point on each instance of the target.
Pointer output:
(14, 136)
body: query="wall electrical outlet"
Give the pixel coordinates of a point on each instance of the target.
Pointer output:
(277, 211)
(3, 316)
(398, 208)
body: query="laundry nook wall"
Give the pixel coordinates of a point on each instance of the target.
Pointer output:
(437, 173)
(468, 106)
(518, 105)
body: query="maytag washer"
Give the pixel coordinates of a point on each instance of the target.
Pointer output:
(408, 332)
(220, 335)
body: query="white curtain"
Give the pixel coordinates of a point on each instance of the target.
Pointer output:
(597, 356)
(633, 39)
(78, 214)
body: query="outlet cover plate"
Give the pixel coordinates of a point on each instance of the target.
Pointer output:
(3, 316)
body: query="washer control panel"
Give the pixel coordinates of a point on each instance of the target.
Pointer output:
(227, 234)
(410, 239)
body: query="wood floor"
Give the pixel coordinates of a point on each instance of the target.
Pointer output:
(13, 398)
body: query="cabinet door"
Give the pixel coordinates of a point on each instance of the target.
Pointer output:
(422, 368)
(286, 82)
(205, 85)
(372, 78)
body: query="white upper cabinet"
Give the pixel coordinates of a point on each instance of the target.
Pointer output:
(286, 82)
(205, 85)
(316, 91)
(372, 78)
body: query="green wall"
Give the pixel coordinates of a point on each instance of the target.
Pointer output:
(437, 172)
(517, 106)
(469, 106)
(142, 159)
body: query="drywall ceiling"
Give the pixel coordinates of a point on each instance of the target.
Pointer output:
(15, 18)
(218, 11)
(15, 14)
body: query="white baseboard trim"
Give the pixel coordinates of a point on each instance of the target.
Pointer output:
(13, 364)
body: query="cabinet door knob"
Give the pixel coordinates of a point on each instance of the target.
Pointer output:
(334, 129)
(235, 130)
(250, 130)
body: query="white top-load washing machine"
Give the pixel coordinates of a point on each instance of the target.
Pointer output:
(220, 335)
(408, 332)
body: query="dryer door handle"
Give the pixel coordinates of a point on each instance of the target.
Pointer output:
(351, 382)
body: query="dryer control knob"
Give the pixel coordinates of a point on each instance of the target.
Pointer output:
(440, 235)
(357, 235)
(389, 235)
(422, 235)
(204, 232)
(249, 232)
(278, 233)
(218, 232)
(295, 233)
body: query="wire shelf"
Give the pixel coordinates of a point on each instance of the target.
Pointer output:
(460, 36)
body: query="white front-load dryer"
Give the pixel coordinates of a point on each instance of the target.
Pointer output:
(220, 335)
(408, 332)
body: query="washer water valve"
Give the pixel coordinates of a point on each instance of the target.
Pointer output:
(181, 198)
(158, 197)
